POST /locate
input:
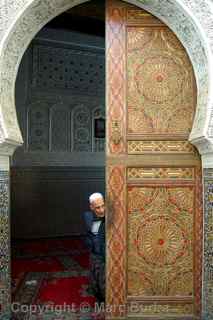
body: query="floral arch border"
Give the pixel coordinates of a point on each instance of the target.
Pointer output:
(190, 20)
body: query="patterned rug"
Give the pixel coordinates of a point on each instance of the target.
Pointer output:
(50, 281)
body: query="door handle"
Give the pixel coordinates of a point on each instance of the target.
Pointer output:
(116, 132)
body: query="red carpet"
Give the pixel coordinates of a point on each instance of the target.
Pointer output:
(53, 272)
(67, 290)
(83, 260)
(48, 264)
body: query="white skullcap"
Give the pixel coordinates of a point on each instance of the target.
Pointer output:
(95, 196)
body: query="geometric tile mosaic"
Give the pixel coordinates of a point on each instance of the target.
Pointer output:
(4, 246)
(208, 246)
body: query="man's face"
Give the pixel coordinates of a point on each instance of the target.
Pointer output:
(98, 207)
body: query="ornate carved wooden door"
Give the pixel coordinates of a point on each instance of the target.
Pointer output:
(154, 224)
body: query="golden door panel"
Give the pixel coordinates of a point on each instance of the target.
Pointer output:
(160, 173)
(161, 310)
(160, 147)
(159, 83)
(154, 189)
(160, 241)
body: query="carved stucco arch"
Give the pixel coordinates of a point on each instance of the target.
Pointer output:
(191, 21)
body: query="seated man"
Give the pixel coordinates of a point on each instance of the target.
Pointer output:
(95, 240)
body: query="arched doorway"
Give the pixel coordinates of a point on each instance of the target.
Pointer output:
(14, 48)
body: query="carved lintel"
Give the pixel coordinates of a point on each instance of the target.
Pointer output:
(7, 147)
(205, 148)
